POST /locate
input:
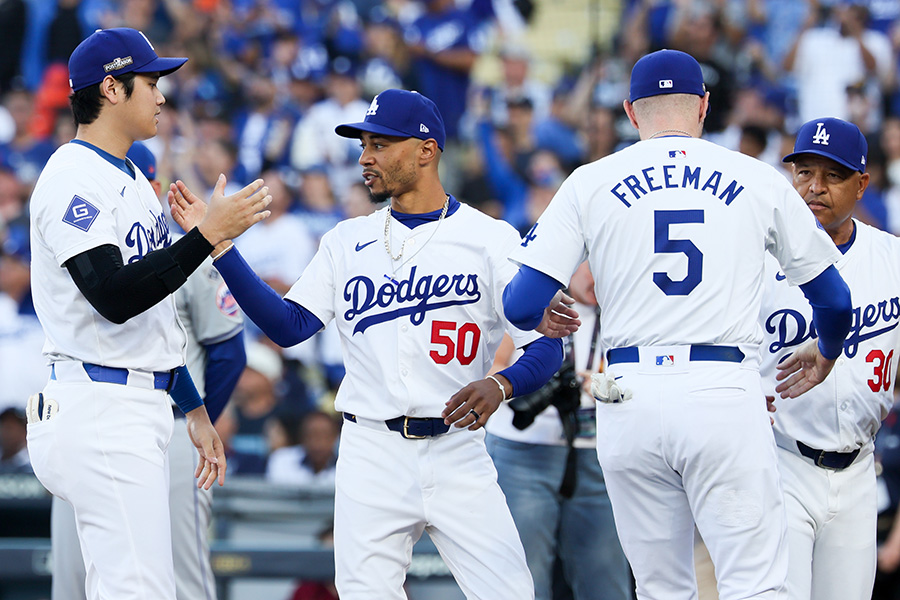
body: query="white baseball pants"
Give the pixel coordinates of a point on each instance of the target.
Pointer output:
(389, 489)
(104, 452)
(694, 444)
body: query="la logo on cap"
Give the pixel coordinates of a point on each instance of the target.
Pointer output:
(666, 84)
(821, 136)
(373, 108)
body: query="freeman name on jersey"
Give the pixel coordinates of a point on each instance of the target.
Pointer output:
(652, 179)
(414, 293)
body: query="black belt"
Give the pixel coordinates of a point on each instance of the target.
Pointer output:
(706, 352)
(835, 461)
(412, 428)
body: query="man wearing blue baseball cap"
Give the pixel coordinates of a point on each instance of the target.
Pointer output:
(103, 271)
(675, 230)
(825, 440)
(414, 291)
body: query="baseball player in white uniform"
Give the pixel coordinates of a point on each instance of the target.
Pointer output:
(215, 347)
(825, 439)
(104, 269)
(415, 291)
(676, 230)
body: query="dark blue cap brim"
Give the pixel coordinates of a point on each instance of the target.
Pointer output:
(793, 156)
(353, 130)
(162, 65)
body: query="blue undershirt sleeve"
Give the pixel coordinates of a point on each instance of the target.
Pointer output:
(225, 361)
(832, 310)
(184, 392)
(526, 297)
(285, 322)
(541, 359)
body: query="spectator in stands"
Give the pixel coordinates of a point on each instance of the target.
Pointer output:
(549, 472)
(517, 82)
(312, 462)
(317, 203)
(314, 143)
(385, 60)
(13, 450)
(12, 197)
(263, 130)
(255, 399)
(23, 370)
(25, 153)
(836, 50)
(263, 246)
(444, 43)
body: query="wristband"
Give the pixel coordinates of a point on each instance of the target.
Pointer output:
(222, 253)
(500, 385)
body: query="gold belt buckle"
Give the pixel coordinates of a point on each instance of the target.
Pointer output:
(406, 433)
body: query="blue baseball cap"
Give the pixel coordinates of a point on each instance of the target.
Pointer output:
(401, 114)
(143, 159)
(832, 138)
(115, 52)
(666, 72)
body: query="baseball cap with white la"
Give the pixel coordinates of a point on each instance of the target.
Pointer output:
(666, 72)
(832, 138)
(114, 52)
(399, 113)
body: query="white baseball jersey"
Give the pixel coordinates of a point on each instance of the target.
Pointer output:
(832, 514)
(419, 328)
(844, 412)
(82, 201)
(676, 230)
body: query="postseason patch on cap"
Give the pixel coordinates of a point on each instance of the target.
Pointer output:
(118, 63)
(81, 213)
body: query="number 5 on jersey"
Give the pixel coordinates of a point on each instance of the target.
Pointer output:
(454, 342)
(663, 244)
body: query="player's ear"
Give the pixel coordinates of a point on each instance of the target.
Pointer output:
(108, 89)
(704, 107)
(863, 184)
(629, 110)
(428, 151)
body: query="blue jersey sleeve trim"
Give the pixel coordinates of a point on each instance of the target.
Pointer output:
(225, 361)
(541, 359)
(526, 297)
(184, 392)
(832, 307)
(285, 322)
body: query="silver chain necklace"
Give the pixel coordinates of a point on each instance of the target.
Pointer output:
(387, 230)
(670, 131)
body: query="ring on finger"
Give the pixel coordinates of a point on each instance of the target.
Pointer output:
(474, 414)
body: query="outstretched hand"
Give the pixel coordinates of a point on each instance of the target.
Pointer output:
(803, 370)
(224, 217)
(473, 405)
(212, 464)
(559, 319)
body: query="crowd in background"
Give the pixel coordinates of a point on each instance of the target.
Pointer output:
(268, 80)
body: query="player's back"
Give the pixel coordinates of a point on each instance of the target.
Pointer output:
(677, 229)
